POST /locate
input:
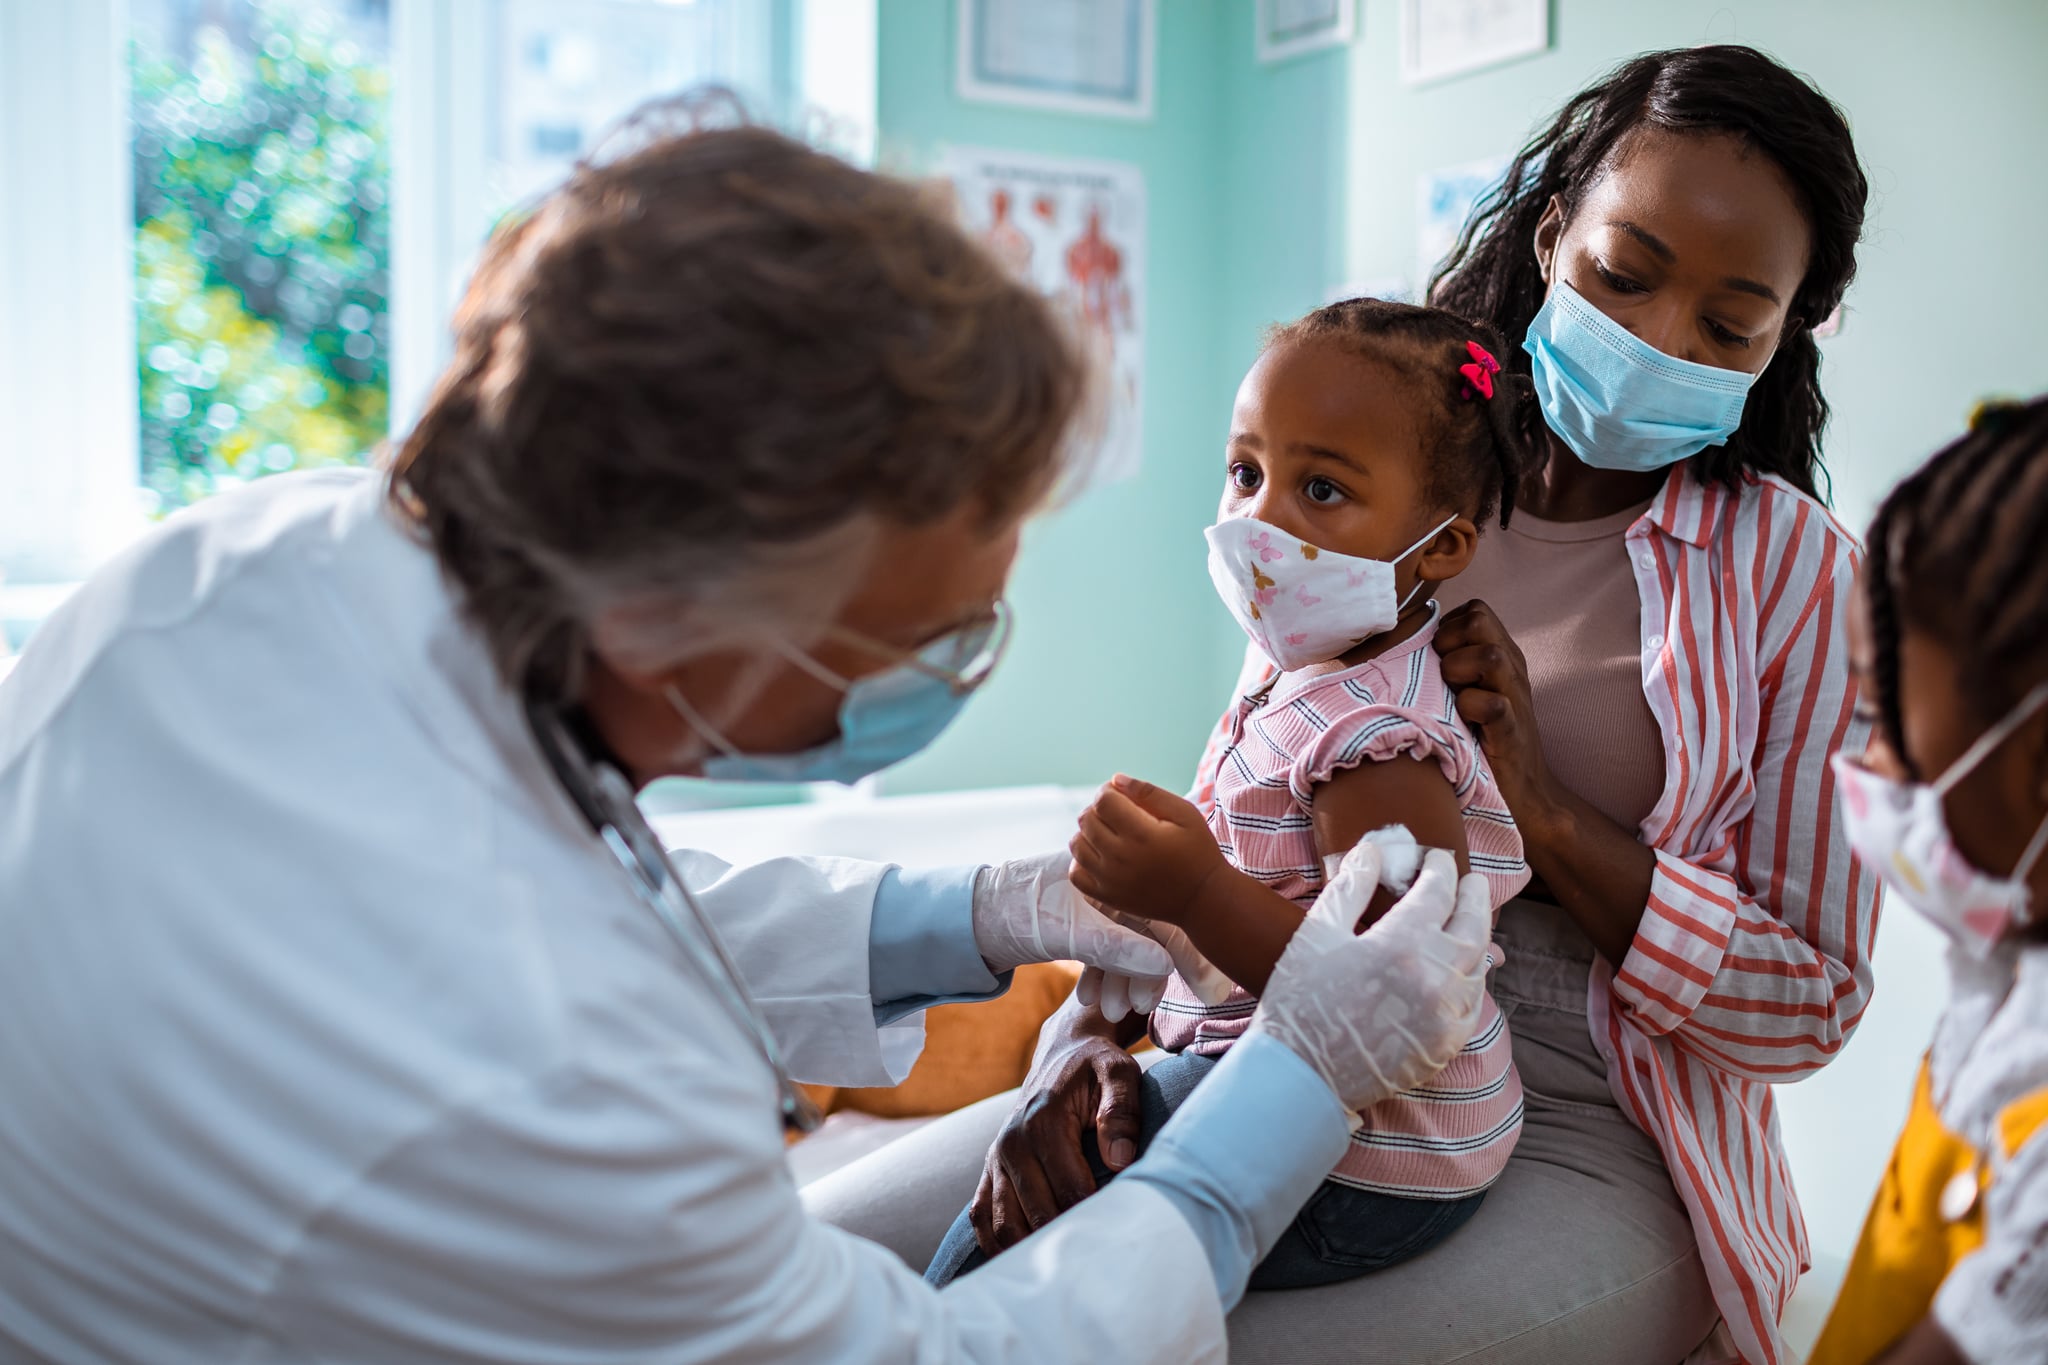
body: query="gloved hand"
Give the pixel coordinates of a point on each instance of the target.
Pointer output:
(1400, 864)
(1119, 993)
(1028, 911)
(1381, 1012)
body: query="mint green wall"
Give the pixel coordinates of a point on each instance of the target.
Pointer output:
(1287, 158)
(1119, 660)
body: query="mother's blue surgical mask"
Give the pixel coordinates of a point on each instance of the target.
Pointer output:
(1616, 400)
(884, 717)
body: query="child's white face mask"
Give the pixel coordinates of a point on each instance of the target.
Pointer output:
(1300, 603)
(1901, 833)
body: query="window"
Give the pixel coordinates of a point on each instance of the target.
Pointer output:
(262, 175)
(232, 231)
(566, 69)
(496, 99)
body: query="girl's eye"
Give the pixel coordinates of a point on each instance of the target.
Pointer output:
(1724, 336)
(1244, 477)
(1320, 489)
(1620, 284)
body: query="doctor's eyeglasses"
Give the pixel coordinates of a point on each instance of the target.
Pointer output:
(963, 659)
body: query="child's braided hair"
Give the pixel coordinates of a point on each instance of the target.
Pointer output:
(1959, 551)
(1477, 441)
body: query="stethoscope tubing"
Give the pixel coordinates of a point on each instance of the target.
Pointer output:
(604, 798)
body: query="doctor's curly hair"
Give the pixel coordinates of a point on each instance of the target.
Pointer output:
(1720, 89)
(715, 350)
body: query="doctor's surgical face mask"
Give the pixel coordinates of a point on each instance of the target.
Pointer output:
(1616, 400)
(884, 717)
(1299, 603)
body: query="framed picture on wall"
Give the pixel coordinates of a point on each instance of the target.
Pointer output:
(1074, 230)
(1289, 28)
(1444, 201)
(1441, 38)
(1074, 56)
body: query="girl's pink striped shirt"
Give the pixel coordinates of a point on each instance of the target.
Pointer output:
(1453, 1136)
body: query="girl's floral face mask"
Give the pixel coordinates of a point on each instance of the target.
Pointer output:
(1299, 603)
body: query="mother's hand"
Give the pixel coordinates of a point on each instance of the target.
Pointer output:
(1484, 666)
(1596, 869)
(1037, 1168)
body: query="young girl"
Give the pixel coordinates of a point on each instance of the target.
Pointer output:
(1367, 444)
(1949, 804)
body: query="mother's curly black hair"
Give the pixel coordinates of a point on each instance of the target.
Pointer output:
(1492, 275)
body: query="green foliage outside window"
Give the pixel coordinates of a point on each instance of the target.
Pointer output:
(262, 181)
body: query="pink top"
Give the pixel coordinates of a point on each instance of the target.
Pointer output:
(1257, 785)
(1584, 648)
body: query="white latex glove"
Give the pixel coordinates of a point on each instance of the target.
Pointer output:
(1381, 1012)
(1400, 863)
(1028, 911)
(1119, 994)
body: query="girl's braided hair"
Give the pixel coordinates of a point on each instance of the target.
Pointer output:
(1478, 444)
(1959, 552)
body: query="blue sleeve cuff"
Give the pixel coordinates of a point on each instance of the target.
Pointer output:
(1244, 1153)
(921, 943)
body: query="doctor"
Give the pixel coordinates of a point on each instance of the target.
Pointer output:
(352, 1012)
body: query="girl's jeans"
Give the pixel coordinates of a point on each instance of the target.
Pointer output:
(1340, 1234)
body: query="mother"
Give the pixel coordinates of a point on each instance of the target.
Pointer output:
(1658, 673)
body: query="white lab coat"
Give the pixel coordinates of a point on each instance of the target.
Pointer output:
(332, 1034)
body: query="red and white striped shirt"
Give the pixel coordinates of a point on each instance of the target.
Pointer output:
(1451, 1137)
(1752, 963)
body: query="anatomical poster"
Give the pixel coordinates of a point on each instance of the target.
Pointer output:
(1076, 231)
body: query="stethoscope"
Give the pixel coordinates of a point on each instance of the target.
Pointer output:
(605, 798)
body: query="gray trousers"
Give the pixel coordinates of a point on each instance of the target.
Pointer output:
(1581, 1253)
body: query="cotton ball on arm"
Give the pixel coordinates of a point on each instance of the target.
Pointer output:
(1400, 858)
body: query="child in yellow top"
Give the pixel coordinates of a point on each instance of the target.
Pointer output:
(1949, 804)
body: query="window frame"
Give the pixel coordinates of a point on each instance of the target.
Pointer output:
(826, 50)
(68, 463)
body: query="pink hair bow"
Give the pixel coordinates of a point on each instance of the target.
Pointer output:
(1480, 372)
